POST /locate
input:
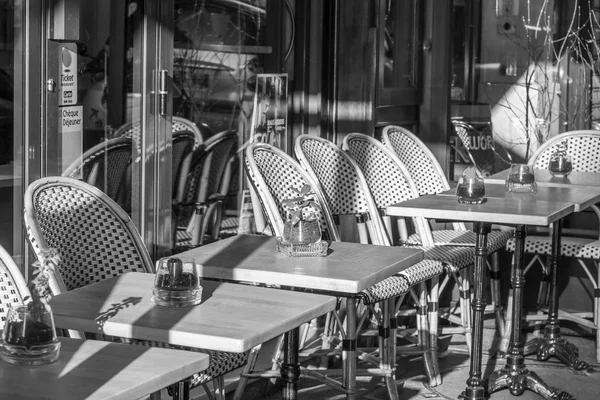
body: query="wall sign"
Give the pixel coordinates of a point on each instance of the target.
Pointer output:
(68, 78)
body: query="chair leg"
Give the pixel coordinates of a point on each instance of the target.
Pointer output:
(465, 303)
(387, 357)
(249, 367)
(503, 348)
(219, 387)
(597, 310)
(496, 292)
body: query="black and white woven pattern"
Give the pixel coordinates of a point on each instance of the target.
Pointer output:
(417, 159)
(220, 362)
(11, 285)
(583, 150)
(95, 240)
(496, 239)
(109, 161)
(337, 177)
(281, 175)
(387, 182)
(569, 246)
(90, 238)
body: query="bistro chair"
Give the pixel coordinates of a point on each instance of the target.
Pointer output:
(273, 175)
(583, 147)
(347, 193)
(105, 166)
(202, 188)
(13, 288)
(96, 240)
(182, 145)
(390, 183)
(133, 129)
(430, 178)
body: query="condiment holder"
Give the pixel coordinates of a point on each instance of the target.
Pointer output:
(177, 283)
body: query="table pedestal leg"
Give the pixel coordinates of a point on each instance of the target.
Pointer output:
(515, 376)
(552, 344)
(349, 350)
(475, 388)
(290, 369)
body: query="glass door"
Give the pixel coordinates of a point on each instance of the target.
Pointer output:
(108, 96)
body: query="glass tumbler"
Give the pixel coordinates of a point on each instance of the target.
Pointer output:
(470, 188)
(521, 179)
(177, 282)
(29, 336)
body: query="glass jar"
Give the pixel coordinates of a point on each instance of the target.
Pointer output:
(29, 338)
(305, 231)
(521, 178)
(560, 164)
(471, 187)
(177, 282)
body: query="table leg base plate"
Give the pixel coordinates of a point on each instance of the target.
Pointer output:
(518, 382)
(546, 347)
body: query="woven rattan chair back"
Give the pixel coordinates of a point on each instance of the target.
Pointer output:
(385, 174)
(273, 175)
(203, 170)
(13, 288)
(422, 165)
(104, 166)
(183, 145)
(94, 237)
(341, 180)
(425, 170)
(179, 124)
(387, 178)
(583, 148)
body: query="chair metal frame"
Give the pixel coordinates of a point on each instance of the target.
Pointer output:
(81, 224)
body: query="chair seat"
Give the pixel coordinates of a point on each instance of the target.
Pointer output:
(453, 258)
(400, 283)
(570, 246)
(220, 363)
(496, 239)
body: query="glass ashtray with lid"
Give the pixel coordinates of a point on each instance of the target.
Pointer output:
(177, 283)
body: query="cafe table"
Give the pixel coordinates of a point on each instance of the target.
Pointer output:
(583, 190)
(346, 270)
(230, 318)
(96, 370)
(518, 212)
(544, 177)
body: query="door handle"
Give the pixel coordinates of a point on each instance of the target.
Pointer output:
(163, 92)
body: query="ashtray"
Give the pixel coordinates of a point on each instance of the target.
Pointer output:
(177, 283)
(317, 249)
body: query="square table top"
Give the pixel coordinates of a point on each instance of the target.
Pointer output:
(544, 177)
(495, 210)
(581, 197)
(96, 370)
(231, 317)
(347, 269)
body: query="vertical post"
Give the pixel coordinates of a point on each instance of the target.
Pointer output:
(290, 369)
(475, 388)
